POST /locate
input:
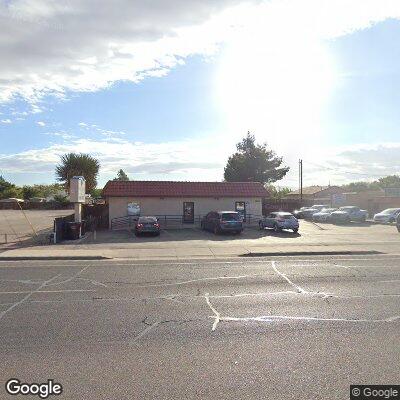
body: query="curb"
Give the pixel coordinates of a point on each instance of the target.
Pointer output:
(313, 253)
(45, 258)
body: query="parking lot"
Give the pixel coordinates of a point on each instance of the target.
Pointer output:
(309, 231)
(18, 225)
(194, 241)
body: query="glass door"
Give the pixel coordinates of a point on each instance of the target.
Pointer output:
(188, 212)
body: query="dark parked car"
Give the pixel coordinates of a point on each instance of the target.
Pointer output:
(147, 225)
(222, 221)
(299, 213)
(279, 220)
(398, 223)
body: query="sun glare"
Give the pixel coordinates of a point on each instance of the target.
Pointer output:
(276, 86)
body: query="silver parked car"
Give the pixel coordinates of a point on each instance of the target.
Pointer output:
(387, 216)
(349, 214)
(278, 221)
(323, 215)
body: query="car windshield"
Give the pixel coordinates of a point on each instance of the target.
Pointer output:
(328, 209)
(147, 220)
(230, 217)
(285, 216)
(389, 211)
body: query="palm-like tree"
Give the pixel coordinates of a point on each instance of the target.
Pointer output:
(81, 164)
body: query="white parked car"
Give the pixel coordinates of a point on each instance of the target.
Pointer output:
(387, 216)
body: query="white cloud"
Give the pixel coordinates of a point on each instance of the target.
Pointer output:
(362, 162)
(84, 45)
(41, 123)
(99, 130)
(6, 121)
(140, 160)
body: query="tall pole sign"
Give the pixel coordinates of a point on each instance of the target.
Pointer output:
(77, 193)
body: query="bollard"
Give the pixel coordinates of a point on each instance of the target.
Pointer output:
(94, 235)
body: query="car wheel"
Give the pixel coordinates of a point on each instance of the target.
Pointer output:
(276, 228)
(295, 230)
(363, 219)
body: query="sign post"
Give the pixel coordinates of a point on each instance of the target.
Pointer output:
(77, 194)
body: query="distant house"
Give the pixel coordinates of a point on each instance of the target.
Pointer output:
(186, 200)
(315, 192)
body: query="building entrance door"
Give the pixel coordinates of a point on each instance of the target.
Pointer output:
(188, 212)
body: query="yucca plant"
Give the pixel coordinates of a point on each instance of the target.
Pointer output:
(81, 164)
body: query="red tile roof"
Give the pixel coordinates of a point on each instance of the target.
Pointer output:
(183, 189)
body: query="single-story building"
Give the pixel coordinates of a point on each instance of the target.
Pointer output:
(188, 200)
(314, 193)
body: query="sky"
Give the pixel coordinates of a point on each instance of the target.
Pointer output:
(165, 89)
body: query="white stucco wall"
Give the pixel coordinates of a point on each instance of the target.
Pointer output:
(174, 206)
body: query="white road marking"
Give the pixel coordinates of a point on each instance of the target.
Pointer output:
(52, 291)
(3, 313)
(145, 331)
(200, 280)
(69, 279)
(94, 282)
(217, 316)
(298, 288)
(271, 318)
(222, 296)
(24, 281)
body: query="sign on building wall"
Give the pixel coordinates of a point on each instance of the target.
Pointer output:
(338, 199)
(134, 209)
(77, 189)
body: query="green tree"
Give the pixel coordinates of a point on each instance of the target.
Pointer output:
(254, 162)
(30, 191)
(121, 176)
(74, 164)
(277, 192)
(96, 193)
(389, 181)
(357, 186)
(7, 189)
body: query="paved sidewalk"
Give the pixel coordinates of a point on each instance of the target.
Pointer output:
(96, 252)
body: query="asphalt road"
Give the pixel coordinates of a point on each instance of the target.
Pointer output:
(276, 328)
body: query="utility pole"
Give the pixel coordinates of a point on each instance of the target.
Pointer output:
(301, 179)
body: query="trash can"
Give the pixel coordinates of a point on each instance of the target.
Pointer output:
(73, 230)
